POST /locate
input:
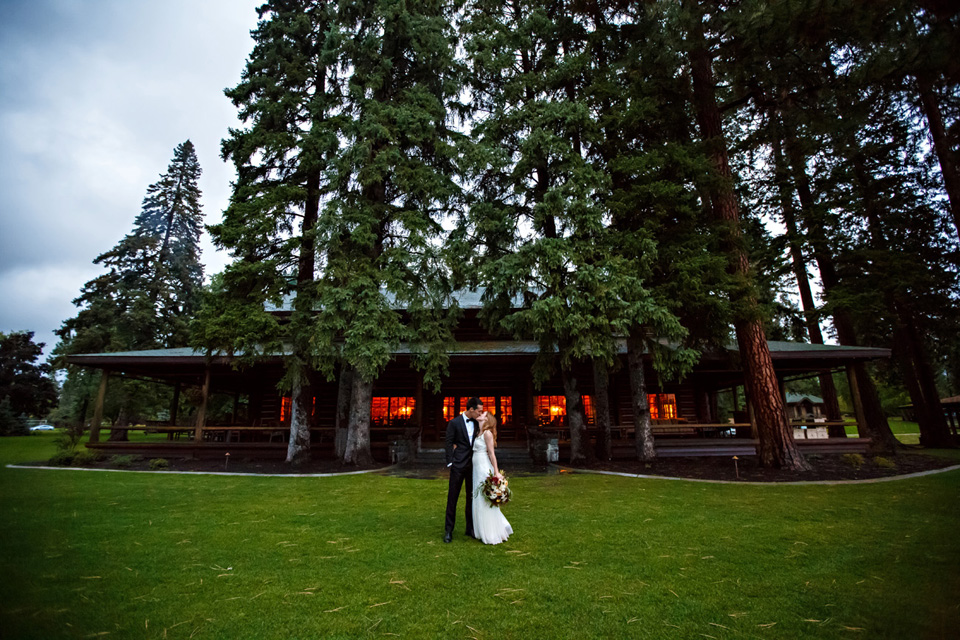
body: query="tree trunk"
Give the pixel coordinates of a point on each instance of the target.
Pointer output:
(776, 448)
(301, 401)
(704, 408)
(201, 420)
(643, 434)
(298, 448)
(342, 419)
(97, 417)
(912, 352)
(812, 319)
(580, 450)
(922, 385)
(120, 435)
(357, 451)
(948, 162)
(601, 404)
(871, 421)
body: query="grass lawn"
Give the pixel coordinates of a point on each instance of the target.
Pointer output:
(125, 555)
(906, 432)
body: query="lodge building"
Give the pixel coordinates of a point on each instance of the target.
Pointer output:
(685, 414)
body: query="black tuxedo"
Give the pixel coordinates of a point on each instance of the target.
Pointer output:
(460, 460)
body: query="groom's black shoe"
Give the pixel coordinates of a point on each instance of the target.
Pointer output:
(448, 537)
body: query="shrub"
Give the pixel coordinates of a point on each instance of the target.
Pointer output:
(63, 458)
(886, 463)
(69, 440)
(159, 464)
(121, 462)
(85, 457)
(10, 423)
(855, 460)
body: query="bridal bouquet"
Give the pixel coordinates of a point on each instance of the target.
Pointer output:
(495, 488)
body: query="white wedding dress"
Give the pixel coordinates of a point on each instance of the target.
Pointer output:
(489, 525)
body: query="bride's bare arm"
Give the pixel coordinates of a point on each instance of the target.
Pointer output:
(488, 437)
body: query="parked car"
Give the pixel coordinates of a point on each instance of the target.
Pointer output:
(42, 427)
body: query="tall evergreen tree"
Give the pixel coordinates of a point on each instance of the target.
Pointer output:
(396, 181)
(776, 446)
(152, 286)
(652, 198)
(344, 176)
(560, 191)
(287, 95)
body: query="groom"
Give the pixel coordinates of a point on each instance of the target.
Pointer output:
(460, 434)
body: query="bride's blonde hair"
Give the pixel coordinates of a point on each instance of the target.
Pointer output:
(491, 425)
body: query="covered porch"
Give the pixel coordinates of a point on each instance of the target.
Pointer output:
(253, 417)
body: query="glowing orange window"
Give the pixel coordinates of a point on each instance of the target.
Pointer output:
(662, 406)
(385, 411)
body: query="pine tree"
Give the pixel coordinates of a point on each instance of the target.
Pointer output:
(535, 213)
(152, 286)
(553, 210)
(776, 448)
(396, 181)
(344, 176)
(287, 96)
(653, 199)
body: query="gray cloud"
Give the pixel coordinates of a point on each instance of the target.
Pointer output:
(94, 96)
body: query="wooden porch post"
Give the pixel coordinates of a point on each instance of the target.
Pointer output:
(175, 405)
(858, 411)
(98, 407)
(202, 413)
(417, 417)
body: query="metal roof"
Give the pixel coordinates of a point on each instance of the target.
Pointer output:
(778, 350)
(793, 398)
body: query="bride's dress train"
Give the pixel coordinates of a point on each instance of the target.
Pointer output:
(489, 525)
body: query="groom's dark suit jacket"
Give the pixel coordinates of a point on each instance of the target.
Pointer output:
(462, 455)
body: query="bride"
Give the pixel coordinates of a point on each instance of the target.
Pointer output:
(489, 525)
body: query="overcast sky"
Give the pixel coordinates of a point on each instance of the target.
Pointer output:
(94, 96)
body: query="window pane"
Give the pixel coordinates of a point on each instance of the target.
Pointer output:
(550, 409)
(489, 403)
(378, 410)
(506, 410)
(653, 407)
(668, 402)
(449, 408)
(589, 413)
(402, 408)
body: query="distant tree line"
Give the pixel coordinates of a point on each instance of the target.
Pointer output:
(26, 386)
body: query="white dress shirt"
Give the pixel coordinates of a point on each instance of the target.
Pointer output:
(469, 424)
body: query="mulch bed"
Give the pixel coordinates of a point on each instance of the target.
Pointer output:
(240, 465)
(825, 467)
